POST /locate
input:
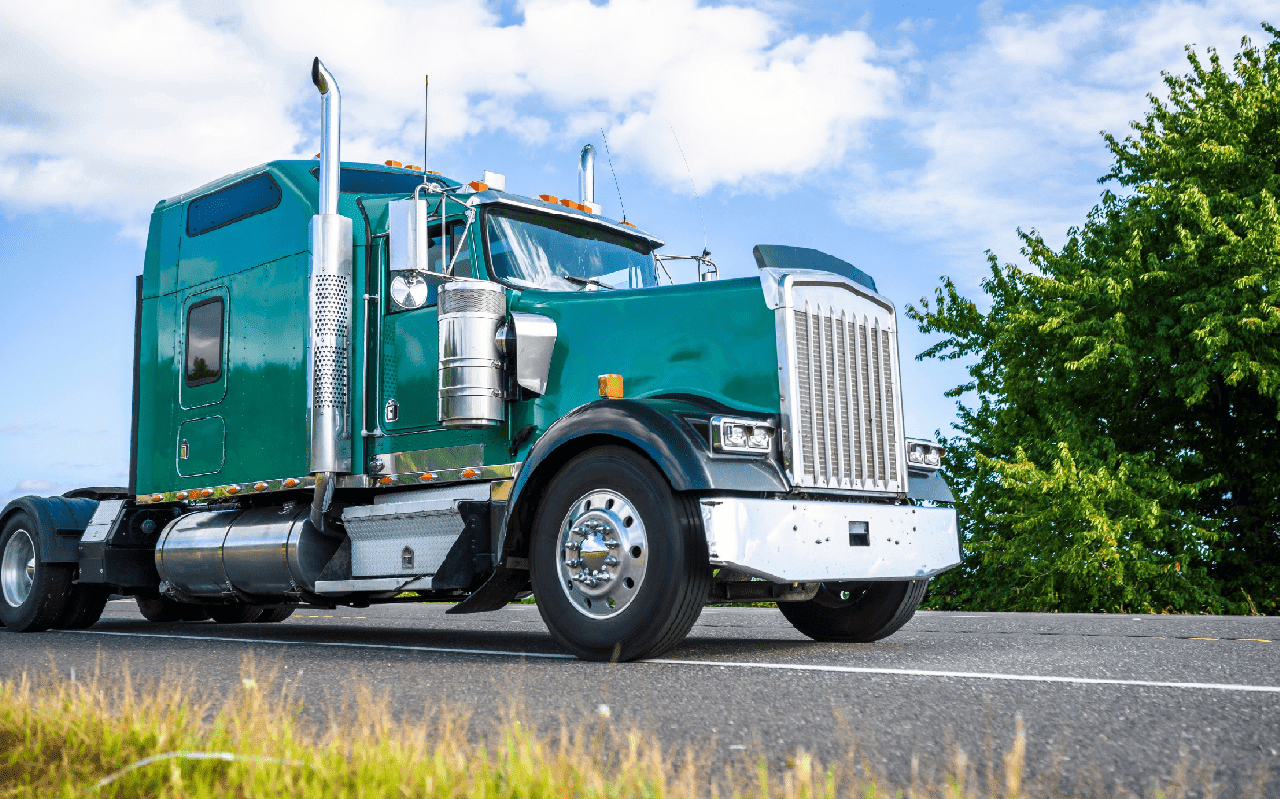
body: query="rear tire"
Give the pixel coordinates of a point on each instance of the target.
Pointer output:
(32, 594)
(237, 613)
(618, 561)
(856, 612)
(164, 610)
(275, 614)
(84, 607)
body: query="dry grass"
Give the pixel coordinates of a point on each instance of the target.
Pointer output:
(108, 736)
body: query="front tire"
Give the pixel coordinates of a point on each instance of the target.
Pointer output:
(856, 612)
(618, 561)
(32, 594)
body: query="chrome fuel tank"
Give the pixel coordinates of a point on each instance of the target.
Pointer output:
(272, 553)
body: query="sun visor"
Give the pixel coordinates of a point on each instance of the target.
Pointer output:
(778, 256)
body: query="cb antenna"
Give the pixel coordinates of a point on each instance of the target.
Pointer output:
(426, 106)
(609, 158)
(705, 251)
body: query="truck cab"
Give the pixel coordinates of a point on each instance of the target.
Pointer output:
(359, 383)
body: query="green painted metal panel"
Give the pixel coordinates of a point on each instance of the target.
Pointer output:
(713, 340)
(410, 374)
(241, 245)
(201, 446)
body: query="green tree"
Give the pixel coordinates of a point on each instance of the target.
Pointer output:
(1121, 451)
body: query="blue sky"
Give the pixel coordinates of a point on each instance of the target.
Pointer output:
(905, 137)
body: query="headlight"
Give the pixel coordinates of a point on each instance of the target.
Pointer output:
(923, 455)
(741, 436)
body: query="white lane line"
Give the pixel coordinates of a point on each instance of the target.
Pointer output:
(974, 675)
(968, 675)
(345, 644)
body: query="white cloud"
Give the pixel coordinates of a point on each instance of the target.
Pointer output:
(111, 106)
(1007, 134)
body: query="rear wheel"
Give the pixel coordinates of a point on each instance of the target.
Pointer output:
(32, 594)
(856, 612)
(276, 614)
(617, 560)
(236, 613)
(163, 609)
(84, 607)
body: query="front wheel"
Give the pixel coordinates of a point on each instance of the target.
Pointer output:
(617, 561)
(32, 594)
(856, 612)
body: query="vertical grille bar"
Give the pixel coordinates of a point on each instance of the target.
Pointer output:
(830, 439)
(890, 415)
(882, 473)
(868, 426)
(842, 394)
(804, 405)
(851, 396)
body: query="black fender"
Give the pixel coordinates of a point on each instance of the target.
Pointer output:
(659, 429)
(60, 522)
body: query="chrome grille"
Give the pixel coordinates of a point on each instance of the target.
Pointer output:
(841, 391)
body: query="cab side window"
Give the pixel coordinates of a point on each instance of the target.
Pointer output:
(204, 342)
(409, 292)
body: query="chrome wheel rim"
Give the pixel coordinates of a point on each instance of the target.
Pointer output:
(18, 568)
(602, 554)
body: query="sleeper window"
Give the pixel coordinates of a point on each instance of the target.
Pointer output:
(204, 342)
(237, 201)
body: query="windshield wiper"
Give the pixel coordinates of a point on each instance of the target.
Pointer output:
(587, 281)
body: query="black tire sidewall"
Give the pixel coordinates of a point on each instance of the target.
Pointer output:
(644, 625)
(50, 590)
(872, 616)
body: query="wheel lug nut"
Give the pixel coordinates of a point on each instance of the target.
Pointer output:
(611, 561)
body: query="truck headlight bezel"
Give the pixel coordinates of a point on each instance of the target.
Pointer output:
(731, 435)
(924, 456)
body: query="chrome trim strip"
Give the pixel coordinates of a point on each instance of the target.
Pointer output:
(230, 490)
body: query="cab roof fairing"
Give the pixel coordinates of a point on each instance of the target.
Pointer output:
(294, 170)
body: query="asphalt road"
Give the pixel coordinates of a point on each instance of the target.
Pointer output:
(1105, 699)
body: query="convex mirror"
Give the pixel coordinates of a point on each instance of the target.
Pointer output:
(410, 291)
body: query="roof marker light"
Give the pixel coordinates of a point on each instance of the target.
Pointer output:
(478, 186)
(549, 198)
(389, 162)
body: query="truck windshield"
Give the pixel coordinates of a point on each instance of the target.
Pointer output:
(545, 252)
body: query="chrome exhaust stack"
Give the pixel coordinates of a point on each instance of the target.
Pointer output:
(330, 306)
(587, 175)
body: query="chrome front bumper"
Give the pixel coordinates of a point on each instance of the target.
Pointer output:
(813, 541)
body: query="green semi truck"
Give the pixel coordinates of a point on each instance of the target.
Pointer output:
(360, 383)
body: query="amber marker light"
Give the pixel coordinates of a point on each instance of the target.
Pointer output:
(389, 162)
(290, 483)
(628, 224)
(206, 492)
(233, 489)
(428, 477)
(259, 486)
(157, 497)
(611, 386)
(386, 481)
(180, 495)
(414, 167)
(549, 198)
(574, 205)
(469, 473)
(477, 185)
